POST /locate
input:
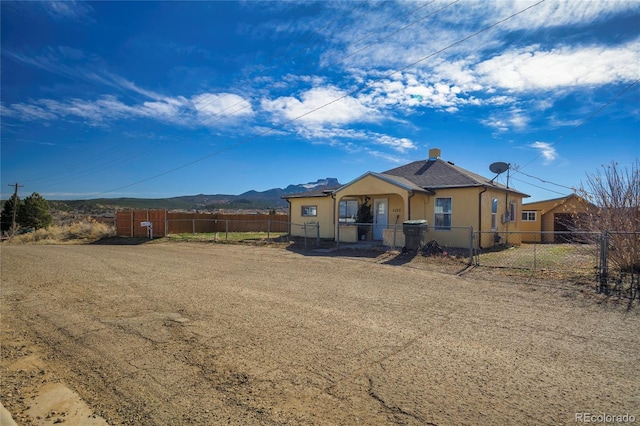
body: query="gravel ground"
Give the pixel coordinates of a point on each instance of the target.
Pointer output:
(184, 333)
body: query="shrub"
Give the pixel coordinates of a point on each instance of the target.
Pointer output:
(84, 231)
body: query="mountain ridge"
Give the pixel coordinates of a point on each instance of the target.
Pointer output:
(249, 200)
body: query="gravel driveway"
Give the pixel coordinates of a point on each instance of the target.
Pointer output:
(184, 333)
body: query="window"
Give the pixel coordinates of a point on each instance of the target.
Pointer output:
(529, 216)
(348, 210)
(309, 210)
(512, 212)
(494, 214)
(442, 213)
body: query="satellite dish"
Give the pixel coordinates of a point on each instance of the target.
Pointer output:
(499, 167)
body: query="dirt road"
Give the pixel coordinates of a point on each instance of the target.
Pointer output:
(178, 333)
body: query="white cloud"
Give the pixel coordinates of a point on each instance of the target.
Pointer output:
(320, 105)
(559, 12)
(533, 68)
(348, 138)
(177, 110)
(74, 64)
(387, 157)
(502, 121)
(69, 9)
(409, 91)
(214, 107)
(546, 150)
(27, 112)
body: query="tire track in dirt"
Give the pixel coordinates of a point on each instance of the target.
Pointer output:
(211, 334)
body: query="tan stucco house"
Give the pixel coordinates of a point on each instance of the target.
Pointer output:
(548, 220)
(450, 198)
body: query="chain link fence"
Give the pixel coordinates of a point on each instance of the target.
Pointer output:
(453, 241)
(619, 264)
(307, 235)
(610, 259)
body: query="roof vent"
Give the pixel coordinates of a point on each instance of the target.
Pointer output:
(434, 154)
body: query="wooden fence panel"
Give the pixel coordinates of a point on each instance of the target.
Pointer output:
(124, 223)
(128, 223)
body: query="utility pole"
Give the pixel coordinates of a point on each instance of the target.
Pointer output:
(15, 206)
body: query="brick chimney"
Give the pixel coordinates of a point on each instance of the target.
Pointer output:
(434, 154)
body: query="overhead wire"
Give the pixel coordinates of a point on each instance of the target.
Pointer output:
(413, 11)
(401, 29)
(585, 121)
(544, 181)
(538, 186)
(220, 115)
(287, 122)
(310, 43)
(573, 129)
(100, 157)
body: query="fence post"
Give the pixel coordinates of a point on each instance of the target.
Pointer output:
(338, 237)
(226, 230)
(395, 231)
(470, 244)
(318, 234)
(268, 229)
(305, 235)
(478, 237)
(193, 226)
(604, 269)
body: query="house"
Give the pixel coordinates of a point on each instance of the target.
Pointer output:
(550, 220)
(450, 198)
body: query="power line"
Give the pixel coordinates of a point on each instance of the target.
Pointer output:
(86, 168)
(517, 170)
(586, 120)
(309, 41)
(537, 186)
(392, 22)
(247, 140)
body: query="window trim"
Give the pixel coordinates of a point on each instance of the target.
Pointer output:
(494, 214)
(347, 219)
(513, 211)
(444, 214)
(309, 206)
(528, 212)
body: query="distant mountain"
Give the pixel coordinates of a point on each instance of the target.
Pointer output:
(277, 193)
(250, 200)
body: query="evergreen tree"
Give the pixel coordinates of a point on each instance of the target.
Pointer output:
(6, 218)
(34, 212)
(365, 214)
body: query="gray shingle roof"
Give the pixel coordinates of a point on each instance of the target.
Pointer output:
(423, 175)
(438, 174)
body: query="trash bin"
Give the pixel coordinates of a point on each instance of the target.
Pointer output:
(415, 233)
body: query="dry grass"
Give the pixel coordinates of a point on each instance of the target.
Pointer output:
(87, 230)
(221, 237)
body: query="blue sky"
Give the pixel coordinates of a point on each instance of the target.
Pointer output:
(160, 99)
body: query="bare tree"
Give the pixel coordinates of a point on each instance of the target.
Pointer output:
(615, 191)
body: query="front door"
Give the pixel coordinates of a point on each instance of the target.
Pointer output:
(380, 217)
